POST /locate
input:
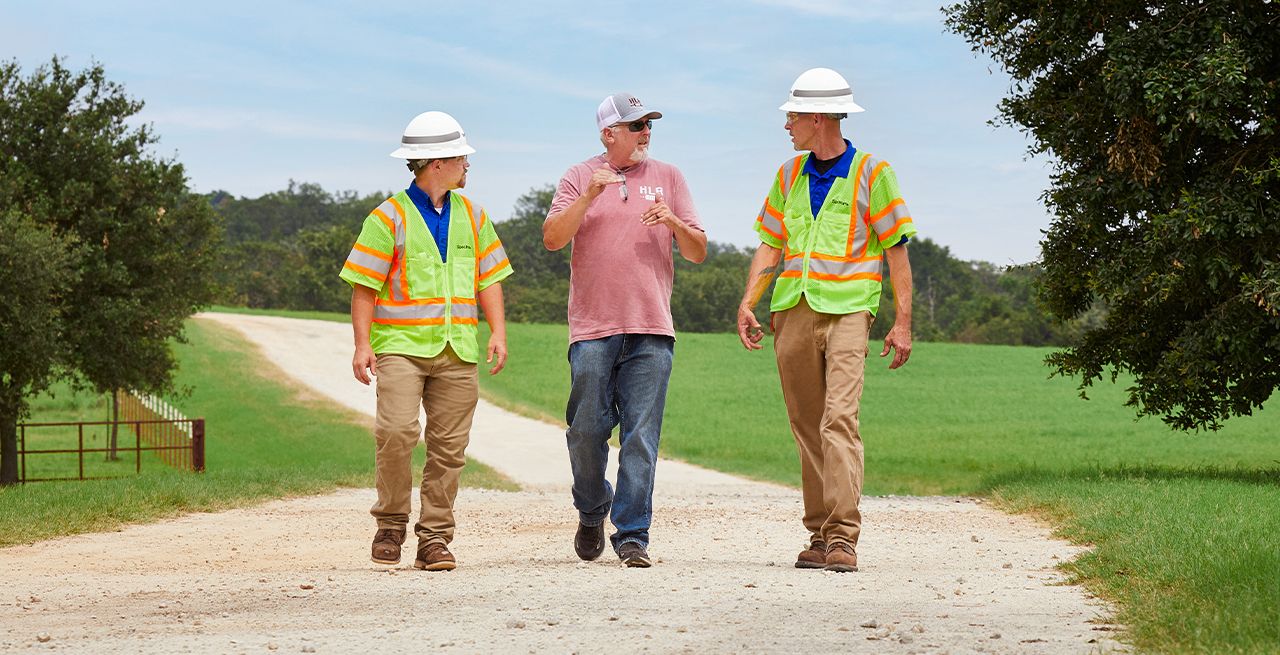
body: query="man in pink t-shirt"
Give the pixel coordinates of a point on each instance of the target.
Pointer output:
(622, 211)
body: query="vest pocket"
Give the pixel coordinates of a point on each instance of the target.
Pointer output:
(426, 277)
(464, 276)
(833, 234)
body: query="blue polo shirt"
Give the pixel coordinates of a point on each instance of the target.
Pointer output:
(820, 183)
(437, 222)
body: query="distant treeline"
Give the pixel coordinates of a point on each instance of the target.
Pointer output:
(284, 250)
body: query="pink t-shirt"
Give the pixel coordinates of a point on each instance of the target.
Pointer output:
(622, 269)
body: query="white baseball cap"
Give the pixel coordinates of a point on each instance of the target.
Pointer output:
(622, 108)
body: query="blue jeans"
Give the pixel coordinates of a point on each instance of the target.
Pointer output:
(617, 380)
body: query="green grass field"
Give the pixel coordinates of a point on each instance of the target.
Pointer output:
(265, 440)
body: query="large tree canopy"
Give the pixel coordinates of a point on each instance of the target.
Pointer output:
(130, 249)
(1161, 120)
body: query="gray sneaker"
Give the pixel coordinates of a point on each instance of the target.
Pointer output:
(634, 555)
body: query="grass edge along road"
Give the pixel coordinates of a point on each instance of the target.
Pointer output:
(267, 439)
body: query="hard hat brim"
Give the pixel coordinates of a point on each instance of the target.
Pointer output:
(813, 107)
(433, 152)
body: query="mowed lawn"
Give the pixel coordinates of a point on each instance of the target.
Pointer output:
(266, 439)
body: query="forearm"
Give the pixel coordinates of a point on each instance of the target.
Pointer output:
(691, 241)
(900, 278)
(490, 299)
(559, 228)
(362, 302)
(764, 265)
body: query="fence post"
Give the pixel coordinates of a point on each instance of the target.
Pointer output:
(112, 455)
(197, 445)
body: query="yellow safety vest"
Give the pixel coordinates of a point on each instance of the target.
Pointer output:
(425, 303)
(834, 258)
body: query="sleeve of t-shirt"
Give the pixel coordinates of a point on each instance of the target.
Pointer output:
(681, 201)
(569, 190)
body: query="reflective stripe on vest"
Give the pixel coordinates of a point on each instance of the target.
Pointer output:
(770, 216)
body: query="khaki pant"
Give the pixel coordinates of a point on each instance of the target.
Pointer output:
(447, 388)
(820, 362)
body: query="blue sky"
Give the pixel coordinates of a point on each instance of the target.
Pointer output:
(251, 95)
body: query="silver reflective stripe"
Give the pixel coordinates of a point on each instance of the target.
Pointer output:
(365, 260)
(770, 223)
(389, 208)
(864, 191)
(793, 264)
(409, 311)
(864, 199)
(465, 311)
(885, 225)
(844, 269)
(492, 260)
(413, 140)
(828, 93)
(786, 174)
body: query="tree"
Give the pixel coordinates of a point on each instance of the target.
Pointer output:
(36, 274)
(74, 172)
(1161, 119)
(538, 292)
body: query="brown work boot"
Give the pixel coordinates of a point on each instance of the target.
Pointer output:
(435, 556)
(841, 558)
(386, 545)
(813, 557)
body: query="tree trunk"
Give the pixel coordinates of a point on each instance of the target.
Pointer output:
(8, 439)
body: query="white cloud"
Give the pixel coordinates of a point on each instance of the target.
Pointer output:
(246, 121)
(889, 11)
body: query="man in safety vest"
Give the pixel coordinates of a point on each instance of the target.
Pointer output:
(425, 259)
(830, 219)
(622, 211)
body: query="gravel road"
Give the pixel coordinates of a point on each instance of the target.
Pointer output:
(938, 575)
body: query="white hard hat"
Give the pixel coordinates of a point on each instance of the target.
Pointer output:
(433, 135)
(821, 91)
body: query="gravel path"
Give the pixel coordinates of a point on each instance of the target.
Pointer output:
(938, 575)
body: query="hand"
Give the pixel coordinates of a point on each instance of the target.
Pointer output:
(601, 178)
(364, 364)
(899, 339)
(498, 349)
(659, 214)
(749, 330)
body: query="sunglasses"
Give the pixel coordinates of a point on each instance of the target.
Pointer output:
(638, 126)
